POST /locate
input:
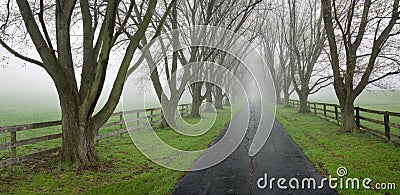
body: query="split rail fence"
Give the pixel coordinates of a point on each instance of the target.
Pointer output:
(384, 124)
(117, 124)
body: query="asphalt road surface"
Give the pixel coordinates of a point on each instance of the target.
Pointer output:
(239, 173)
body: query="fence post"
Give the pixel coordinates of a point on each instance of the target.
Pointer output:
(387, 127)
(325, 111)
(315, 108)
(137, 122)
(336, 114)
(13, 149)
(357, 117)
(121, 119)
(151, 117)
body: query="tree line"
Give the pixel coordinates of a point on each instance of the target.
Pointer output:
(349, 44)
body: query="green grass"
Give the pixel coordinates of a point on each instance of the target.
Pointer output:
(123, 169)
(362, 154)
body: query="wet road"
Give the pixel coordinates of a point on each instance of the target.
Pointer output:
(240, 173)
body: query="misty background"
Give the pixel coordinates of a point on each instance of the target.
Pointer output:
(27, 90)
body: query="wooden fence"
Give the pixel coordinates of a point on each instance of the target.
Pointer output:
(379, 119)
(148, 114)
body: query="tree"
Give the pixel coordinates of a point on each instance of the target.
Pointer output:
(275, 49)
(307, 41)
(230, 15)
(358, 33)
(101, 28)
(223, 14)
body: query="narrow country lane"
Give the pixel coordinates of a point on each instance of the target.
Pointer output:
(238, 174)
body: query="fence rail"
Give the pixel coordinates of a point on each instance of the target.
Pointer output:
(14, 143)
(332, 113)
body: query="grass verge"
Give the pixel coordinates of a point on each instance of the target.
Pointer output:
(123, 169)
(363, 155)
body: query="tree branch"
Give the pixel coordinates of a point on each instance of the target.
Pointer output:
(43, 24)
(18, 55)
(384, 76)
(115, 94)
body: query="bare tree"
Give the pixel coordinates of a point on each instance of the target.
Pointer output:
(228, 18)
(283, 52)
(307, 40)
(102, 24)
(358, 34)
(275, 49)
(190, 13)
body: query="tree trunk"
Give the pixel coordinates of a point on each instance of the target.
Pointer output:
(209, 98)
(227, 103)
(218, 98)
(349, 123)
(163, 123)
(169, 110)
(286, 87)
(303, 103)
(278, 97)
(77, 138)
(286, 100)
(278, 89)
(195, 112)
(196, 99)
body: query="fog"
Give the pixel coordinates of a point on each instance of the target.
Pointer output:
(29, 86)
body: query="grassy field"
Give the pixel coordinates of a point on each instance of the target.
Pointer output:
(363, 155)
(123, 169)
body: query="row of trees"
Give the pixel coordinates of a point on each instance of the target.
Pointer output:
(307, 45)
(222, 14)
(350, 44)
(105, 27)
